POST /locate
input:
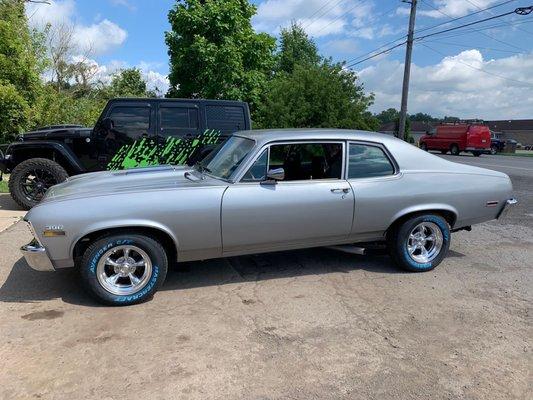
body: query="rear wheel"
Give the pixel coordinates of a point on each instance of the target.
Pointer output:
(424, 146)
(420, 243)
(30, 180)
(123, 269)
(454, 149)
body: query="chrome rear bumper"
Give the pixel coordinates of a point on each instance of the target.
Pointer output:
(36, 257)
(506, 207)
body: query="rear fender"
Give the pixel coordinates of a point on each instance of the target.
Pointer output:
(431, 207)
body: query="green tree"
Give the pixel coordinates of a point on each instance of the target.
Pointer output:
(388, 115)
(14, 112)
(296, 48)
(214, 51)
(19, 72)
(422, 117)
(316, 96)
(128, 83)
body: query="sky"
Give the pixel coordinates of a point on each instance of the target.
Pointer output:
(483, 71)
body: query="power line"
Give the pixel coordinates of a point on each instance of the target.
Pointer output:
(472, 46)
(481, 69)
(322, 14)
(466, 31)
(376, 54)
(317, 11)
(458, 18)
(357, 4)
(482, 33)
(387, 50)
(474, 23)
(490, 12)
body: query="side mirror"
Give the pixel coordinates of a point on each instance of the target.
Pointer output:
(277, 174)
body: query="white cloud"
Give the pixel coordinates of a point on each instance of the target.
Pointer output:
(124, 3)
(455, 8)
(100, 37)
(456, 86)
(318, 19)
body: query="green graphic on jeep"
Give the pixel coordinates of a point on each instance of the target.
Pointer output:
(174, 151)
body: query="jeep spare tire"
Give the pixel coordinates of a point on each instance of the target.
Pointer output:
(30, 180)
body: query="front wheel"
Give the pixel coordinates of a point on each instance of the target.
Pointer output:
(493, 150)
(123, 269)
(420, 243)
(30, 180)
(424, 147)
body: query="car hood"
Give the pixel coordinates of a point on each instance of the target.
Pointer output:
(136, 180)
(56, 134)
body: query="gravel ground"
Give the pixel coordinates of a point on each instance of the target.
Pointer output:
(309, 324)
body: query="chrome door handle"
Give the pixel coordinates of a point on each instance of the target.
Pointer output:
(340, 190)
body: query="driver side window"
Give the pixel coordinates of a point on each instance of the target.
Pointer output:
(300, 161)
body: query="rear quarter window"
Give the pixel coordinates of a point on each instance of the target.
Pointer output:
(227, 119)
(367, 161)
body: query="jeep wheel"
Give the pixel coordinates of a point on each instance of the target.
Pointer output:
(30, 180)
(493, 150)
(420, 243)
(123, 269)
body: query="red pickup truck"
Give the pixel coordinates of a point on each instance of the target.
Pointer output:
(455, 138)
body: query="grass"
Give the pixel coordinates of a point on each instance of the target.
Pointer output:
(3, 184)
(519, 153)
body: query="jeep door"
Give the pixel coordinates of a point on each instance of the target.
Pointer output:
(130, 141)
(178, 131)
(311, 206)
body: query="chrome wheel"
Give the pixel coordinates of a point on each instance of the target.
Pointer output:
(425, 242)
(124, 270)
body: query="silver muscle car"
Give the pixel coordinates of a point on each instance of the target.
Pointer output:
(260, 191)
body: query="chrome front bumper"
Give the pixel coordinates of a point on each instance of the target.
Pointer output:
(506, 208)
(36, 257)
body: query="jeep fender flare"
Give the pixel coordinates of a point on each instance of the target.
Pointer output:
(68, 155)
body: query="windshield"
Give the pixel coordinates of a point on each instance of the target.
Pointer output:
(225, 159)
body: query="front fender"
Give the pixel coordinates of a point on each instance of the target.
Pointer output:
(19, 149)
(121, 223)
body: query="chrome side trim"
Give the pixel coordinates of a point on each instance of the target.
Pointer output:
(506, 207)
(36, 257)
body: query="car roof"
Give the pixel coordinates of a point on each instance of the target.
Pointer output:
(269, 135)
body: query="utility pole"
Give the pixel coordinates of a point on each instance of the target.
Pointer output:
(407, 69)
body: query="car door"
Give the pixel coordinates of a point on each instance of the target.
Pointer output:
(378, 188)
(313, 205)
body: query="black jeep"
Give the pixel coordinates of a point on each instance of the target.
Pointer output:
(129, 133)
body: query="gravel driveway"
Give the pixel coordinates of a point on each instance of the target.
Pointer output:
(310, 324)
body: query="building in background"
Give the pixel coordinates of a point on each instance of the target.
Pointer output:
(520, 130)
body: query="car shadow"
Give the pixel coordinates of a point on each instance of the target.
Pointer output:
(25, 285)
(8, 204)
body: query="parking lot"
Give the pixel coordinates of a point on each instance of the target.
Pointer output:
(308, 324)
